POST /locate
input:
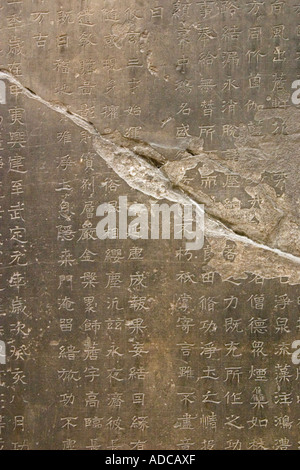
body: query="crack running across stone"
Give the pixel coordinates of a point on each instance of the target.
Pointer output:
(142, 175)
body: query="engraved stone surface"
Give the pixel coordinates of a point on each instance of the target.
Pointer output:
(137, 344)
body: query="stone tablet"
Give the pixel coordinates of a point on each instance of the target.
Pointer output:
(149, 225)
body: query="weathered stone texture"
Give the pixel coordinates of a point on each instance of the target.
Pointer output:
(142, 344)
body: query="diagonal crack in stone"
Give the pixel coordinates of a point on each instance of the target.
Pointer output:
(142, 175)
